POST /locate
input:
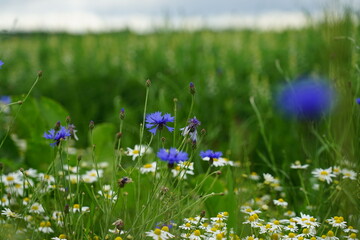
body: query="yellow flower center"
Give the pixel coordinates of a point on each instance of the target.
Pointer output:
(353, 235)
(300, 238)
(177, 168)
(118, 238)
(148, 165)
(324, 173)
(10, 178)
(330, 233)
(35, 207)
(275, 236)
(281, 200)
(76, 206)
(291, 235)
(165, 228)
(248, 210)
(276, 222)
(197, 233)
(225, 213)
(48, 224)
(42, 224)
(62, 236)
(290, 226)
(3, 200)
(157, 231)
(188, 225)
(215, 159)
(250, 238)
(305, 231)
(136, 151)
(219, 236)
(46, 177)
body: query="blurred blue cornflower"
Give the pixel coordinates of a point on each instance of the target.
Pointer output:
(191, 129)
(306, 99)
(5, 99)
(358, 100)
(155, 121)
(57, 136)
(210, 155)
(1, 63)
(172, 156)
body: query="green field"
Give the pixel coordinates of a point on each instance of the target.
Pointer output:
(236, 73)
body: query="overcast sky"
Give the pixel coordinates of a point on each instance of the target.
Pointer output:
(144, 15)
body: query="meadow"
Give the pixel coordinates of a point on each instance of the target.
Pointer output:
(80, 157)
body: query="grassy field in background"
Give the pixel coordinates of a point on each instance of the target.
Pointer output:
(92, 76)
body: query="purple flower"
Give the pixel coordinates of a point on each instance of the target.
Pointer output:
(5, 99)
(358, 100)
(63, 133)
(191, 129)
(1, 63)
(306, 99)
(210, 154)
(172, 155)
(155, 121)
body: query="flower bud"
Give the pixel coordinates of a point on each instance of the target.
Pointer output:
(148, 83)
(192, 88)
(122, 114)
(91, 125)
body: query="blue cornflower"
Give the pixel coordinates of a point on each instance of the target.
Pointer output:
(62, 133)
(172, 156)
(5, 99)
(306, 99)
(155, 121)
(191, 129)
(1, 63)
(358, 100)
(210, 154)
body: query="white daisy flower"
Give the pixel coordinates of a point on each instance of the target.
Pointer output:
(324, 174)
(336, 170)
(12, 179)
(349, 174)
(138, 151)
(352, 236)
(46, 178)
(77, 208)
(61, 237)
(280, 202)
(45, 227)
(182, 169)
(160, 234)
(254, 176)
(248, 210)
(350, 229)
(8, 213)
(337, 222)
(4, 201)
(297, 165)
(149, 167)
(36, 208)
